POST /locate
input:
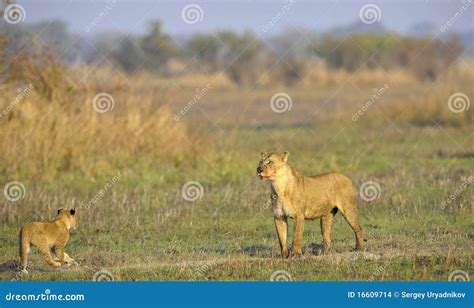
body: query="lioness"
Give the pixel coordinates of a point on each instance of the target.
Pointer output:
(47, 236)
(300, 197)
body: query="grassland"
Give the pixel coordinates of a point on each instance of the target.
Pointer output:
(141, 227)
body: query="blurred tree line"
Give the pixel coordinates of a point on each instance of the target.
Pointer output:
(243, 56)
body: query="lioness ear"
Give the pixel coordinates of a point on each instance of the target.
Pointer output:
(72, 211)
(284, 157)
(59, 211)
(264, 153)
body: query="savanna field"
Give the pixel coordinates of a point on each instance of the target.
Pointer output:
(151, 125)
(124, 171)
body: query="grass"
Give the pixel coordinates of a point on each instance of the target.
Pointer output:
(145, 230)
(124, 171)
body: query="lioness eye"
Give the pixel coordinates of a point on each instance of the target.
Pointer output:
(269, 162)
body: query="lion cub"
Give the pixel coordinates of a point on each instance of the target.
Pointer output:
(47, 236)
(307, 197)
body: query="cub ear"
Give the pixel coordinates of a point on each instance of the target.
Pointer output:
(264, 153)
(59, 211)
(284, 156)
(72, 211)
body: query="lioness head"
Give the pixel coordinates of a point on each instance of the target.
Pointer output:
(68, 217)
(270, 164)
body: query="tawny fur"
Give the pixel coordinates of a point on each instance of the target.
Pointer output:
(47, 237)
(300, 197)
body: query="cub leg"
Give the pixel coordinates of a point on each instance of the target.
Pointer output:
(59, 248)
(326, 224)
(298, 235)
(47, 256)
(24, 251)
(281, 225)
(69, 260)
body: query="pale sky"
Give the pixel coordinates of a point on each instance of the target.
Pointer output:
(129, 16)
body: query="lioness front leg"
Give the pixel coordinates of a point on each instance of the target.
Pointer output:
(298, 235)
(281, 225)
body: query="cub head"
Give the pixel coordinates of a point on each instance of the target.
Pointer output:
(270, 164)
(68, 217)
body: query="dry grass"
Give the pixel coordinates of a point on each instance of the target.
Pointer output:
(49, 124)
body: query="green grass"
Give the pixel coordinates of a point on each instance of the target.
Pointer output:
(142, 229)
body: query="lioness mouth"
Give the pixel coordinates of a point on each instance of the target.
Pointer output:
(269, 177)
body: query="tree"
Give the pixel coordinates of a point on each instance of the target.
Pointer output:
(128, 55)
(157, 47)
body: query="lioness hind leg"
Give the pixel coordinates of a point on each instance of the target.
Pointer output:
(326, 224)
(350, 214)
(351, 218)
